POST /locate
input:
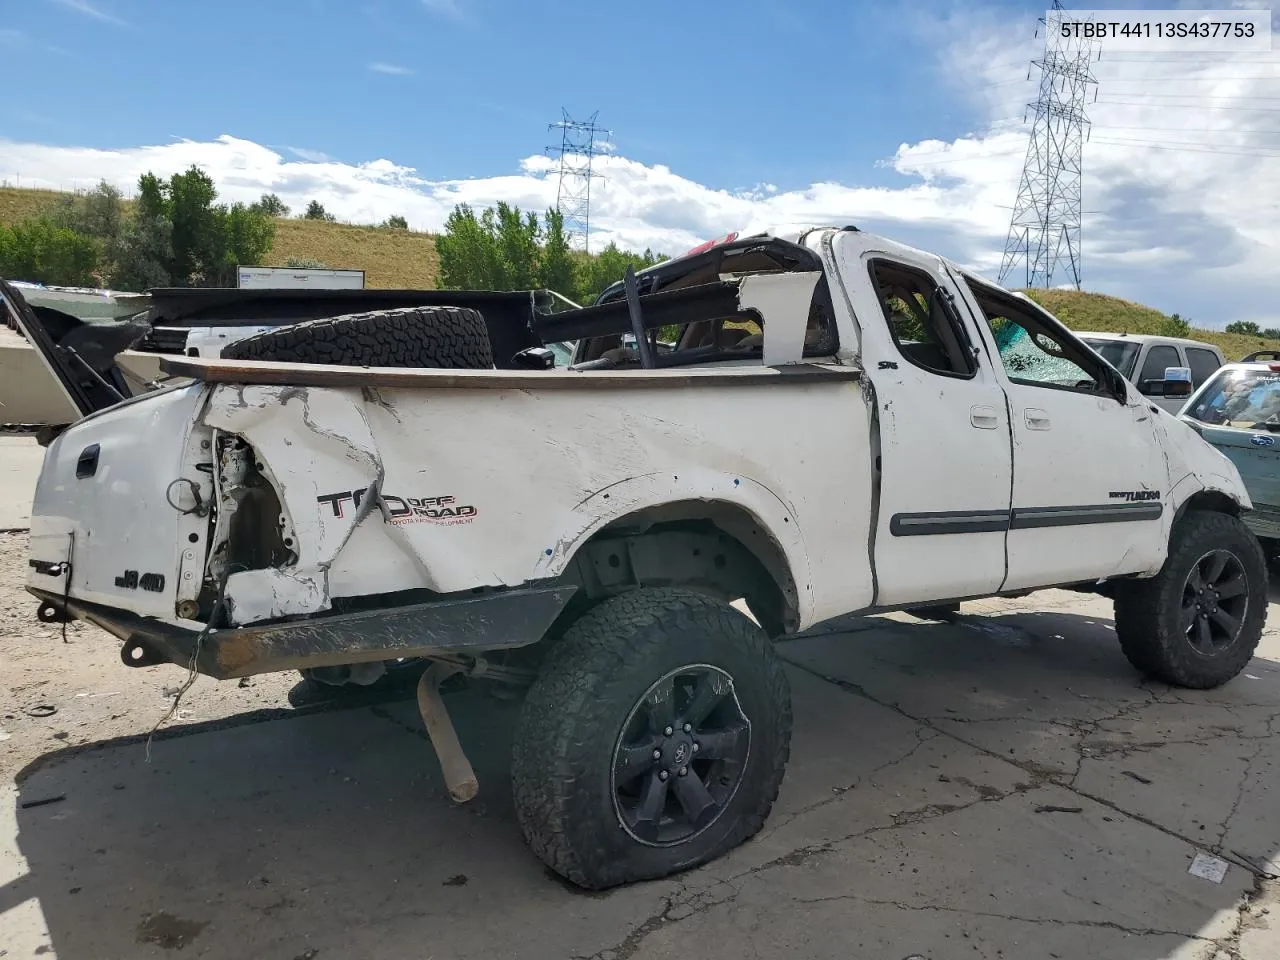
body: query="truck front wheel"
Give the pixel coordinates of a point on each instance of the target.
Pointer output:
(1197, 622)
(654, 739)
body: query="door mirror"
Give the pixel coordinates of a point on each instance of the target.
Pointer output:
(534, 358)
(1177, 381)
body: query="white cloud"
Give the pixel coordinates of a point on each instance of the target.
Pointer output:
(89, 10)
(635, 205)
(447, 8)
(315, 156)
(391, 68)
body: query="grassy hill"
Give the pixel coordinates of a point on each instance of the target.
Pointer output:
(389, 258)
(1103, 314)
(20, 204)
(403, 259)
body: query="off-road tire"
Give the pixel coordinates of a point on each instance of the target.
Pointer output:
(446, 337)
(1147, 611)
(574, 713)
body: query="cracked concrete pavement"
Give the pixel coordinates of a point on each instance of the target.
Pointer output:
(1001, 786)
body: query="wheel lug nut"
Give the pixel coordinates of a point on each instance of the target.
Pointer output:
(668, 731)
(688, 728)
(657, 754)
(662, 775)
(695, 746)
(684, 771)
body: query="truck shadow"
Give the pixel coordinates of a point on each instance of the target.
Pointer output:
(332, 834)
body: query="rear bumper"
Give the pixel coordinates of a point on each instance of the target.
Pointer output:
(451, 624)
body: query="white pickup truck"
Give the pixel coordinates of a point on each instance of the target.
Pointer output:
(845, 425)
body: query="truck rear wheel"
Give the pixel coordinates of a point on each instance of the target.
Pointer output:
(448, 337)
(1197, 622)
(654, 739)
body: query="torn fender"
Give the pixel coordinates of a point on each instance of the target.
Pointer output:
(306, 442)
(771, 513)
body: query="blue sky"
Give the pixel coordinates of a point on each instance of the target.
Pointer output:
(904, 116)
(728, 93)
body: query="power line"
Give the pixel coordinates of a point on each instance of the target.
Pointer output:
(1044, 230)
(1106, 129)
(1194, 96)
(1183, 106)
(578, 147)
(1199, 57)
(1184, 148)
(1190, 79)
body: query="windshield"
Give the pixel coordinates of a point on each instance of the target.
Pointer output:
(1118, 353)
(1247, 399)
(563, 352)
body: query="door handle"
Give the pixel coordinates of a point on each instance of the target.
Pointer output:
(984, 418)
(1035, 419)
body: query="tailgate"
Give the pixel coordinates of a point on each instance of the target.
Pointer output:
(110, 502)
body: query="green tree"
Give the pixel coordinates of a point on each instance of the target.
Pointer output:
(98, 213)
(518, 251)
(141, 253)
(42, 251)
(181, 237)
(197, 235)
(505, 249)
(316, 211)
(270, 205)
(608, 267)
(153, 196)
(396, 222)
(555, 266)
(1176, 326)
(1247, 327)
(1271, 333)
(468, 251)
(246, 237)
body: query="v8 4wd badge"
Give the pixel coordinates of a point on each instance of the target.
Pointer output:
(400, 510)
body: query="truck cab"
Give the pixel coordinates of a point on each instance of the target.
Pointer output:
(1144, 359)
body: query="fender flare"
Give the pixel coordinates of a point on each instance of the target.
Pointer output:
(776, 518)
(1190, 486)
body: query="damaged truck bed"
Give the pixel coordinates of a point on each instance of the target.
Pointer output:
(844, 425)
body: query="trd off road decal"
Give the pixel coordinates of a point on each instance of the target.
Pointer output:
(400, 510)
(1134, 495)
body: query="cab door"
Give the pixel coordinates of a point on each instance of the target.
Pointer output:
(943, 424)
(1089, 477)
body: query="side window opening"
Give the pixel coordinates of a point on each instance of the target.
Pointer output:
(1203, 364)
(921, 320)
(1159, 358)
(1032, 353)
(707, 339)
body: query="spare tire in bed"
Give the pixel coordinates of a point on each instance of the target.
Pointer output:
(452, 337)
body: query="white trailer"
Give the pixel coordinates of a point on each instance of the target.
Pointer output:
(295, 278)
